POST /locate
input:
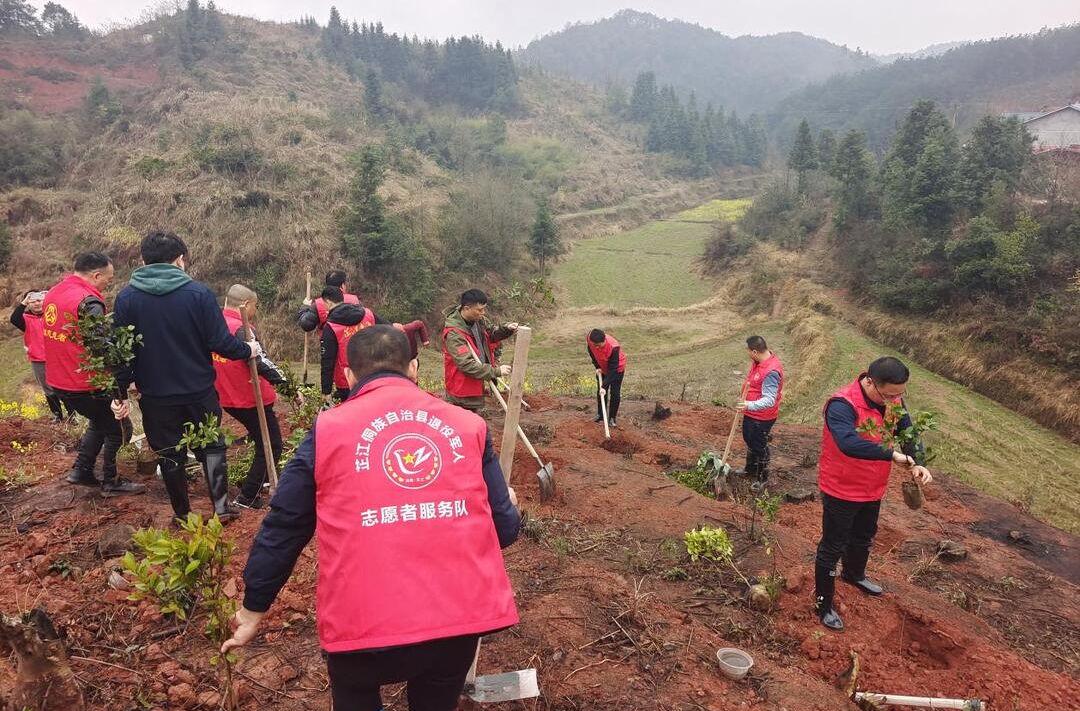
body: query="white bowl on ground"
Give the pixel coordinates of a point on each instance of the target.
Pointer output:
(734, 663)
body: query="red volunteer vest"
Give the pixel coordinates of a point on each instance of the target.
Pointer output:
(756, 379)
(602, 352)
(322, 310)
(233, 382)
(845, 477)
(62, 355)
(457, 383)
(343, 334)
(407, 548)
(34, 337)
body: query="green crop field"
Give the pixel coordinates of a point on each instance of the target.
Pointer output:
(653, 265)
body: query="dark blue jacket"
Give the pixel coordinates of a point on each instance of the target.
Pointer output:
(840, 419)
(180, 330)
(291, 521)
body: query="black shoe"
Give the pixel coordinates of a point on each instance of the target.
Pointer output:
(82, 478)
(611, 422)
(867, 585)
(120, 487)
(598, 418)
(230, 513)
(830, 619)
(255, 502)
(741, 471)
(759, 485)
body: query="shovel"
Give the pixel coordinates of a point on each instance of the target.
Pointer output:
(720, 475)
(497, 688)
(264, 430)
(603, 405)
(546, 474)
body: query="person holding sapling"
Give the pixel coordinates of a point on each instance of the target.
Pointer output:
(181, 326)
(864, 423)
(77, 300)
(409, 504)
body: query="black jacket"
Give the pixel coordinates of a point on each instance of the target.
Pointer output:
(346, 315)
(180, 330)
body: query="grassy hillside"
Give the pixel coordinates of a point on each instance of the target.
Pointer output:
(248, 154)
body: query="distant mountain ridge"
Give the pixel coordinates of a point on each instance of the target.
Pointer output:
(747, 73)
(932, 50)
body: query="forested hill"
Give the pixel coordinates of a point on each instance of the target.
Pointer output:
(1009, 74)
(746, 73)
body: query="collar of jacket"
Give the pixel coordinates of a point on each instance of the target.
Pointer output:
(159, 279)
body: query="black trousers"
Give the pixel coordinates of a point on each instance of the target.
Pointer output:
(164, 422)
(614, 389)
(249, 418)
(434, 673)
(847, 531)
(755, 434)
(341, 394)
(104, 432)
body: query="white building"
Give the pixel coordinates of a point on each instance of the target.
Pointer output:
(1054, 130)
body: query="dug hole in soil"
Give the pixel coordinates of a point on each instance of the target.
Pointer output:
(614, 615)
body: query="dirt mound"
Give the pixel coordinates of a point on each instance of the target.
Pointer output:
(614, 614)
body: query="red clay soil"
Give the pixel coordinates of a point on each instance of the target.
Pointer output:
(614, 615)
(69, 83)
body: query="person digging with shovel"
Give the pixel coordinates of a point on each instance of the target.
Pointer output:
(410, 568)
(853, 474)
(470, 350)
(764, 389)
(609, 359)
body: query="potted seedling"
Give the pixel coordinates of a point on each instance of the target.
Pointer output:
(106, 348)
(905, 440)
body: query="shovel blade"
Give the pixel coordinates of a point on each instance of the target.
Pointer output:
(495, 688)
(546, 477)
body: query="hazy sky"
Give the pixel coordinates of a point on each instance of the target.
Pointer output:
(876, 26)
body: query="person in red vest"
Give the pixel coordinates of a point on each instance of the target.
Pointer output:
(312, 316)
(853, 473)
(77, 295)
(27, 318)
(406, 497)
(343, 320)
(237, 397)
(470, 350)
(764, 389)
(609, 359)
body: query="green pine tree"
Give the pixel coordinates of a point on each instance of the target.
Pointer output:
(826, 148)
(803, 156)
(545, 242)
(852, 169)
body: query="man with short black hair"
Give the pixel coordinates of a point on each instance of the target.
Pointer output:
(182, 327)
(343, 320)
(853, 473)
(764, 389)
(408, 501)
(313, 314)
(470, 350)
(78, 295)
(609, 359)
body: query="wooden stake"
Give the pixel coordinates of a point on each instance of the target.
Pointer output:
(264, 430)
(307, 334)
(513, 405)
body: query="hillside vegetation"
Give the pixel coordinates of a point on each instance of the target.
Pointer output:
(249, 139)
(746, 74)
(1022, 73)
